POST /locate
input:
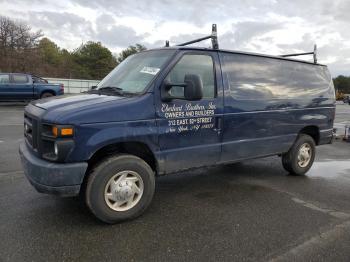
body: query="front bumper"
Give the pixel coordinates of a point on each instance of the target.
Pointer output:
(52, 178)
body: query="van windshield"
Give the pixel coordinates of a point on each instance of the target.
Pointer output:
(134, 74)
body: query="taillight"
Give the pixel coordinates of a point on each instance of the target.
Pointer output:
(62, 87)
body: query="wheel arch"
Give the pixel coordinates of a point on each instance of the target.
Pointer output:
(312, 131)
(139, 149)
(47, 91)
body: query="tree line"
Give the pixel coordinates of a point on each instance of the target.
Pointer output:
(342, 84)
(25, 51)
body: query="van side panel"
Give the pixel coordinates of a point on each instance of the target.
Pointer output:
(268, 101)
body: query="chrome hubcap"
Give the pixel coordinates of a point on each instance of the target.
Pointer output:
(304, 155)
(124, 190)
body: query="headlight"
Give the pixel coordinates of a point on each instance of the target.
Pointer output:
(57, 141)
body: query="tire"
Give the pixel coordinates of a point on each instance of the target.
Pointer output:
(123, 173)
(46, 94)
(294, 161)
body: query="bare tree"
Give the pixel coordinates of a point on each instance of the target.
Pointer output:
(17, 41)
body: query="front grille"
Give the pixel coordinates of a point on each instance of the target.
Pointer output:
(31, 131)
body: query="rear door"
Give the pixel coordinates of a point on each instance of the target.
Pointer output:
(189, 131)
(4, 87)
(21, 87)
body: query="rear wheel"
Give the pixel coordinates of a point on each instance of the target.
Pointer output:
(300, 157)
(46, 94)
(120, 188)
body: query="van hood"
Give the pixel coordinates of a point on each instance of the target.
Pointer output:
(94, 108)
(73, 102)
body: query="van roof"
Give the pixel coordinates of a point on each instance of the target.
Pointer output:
(234, 52)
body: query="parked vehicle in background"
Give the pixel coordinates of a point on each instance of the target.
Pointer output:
(346, 99)
(23, 87)
(170, 109)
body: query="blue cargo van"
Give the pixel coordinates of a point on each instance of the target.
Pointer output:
(170, 109)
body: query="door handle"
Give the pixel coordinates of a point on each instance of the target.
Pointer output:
(218, 124)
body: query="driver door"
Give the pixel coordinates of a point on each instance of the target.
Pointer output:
(190, 131)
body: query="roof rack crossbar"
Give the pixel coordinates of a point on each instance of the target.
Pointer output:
(314, 53)
(213, 37)
(195, 40)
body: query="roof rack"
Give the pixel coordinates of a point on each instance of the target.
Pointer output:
(215, 44)
(213, 37)
(314, 53)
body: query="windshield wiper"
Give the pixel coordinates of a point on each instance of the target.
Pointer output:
(110, 90)
(114, 88)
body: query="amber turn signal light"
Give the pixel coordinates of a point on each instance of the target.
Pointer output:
(67, 131)
(62, 131)
(55, 131)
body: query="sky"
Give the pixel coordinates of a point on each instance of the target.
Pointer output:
(261, 26)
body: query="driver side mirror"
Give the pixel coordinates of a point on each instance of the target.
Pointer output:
(192, 86)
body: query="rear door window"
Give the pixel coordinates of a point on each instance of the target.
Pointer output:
(252, 78)
(38, 80)
(19, 79)
(261, 78)
(4, 79)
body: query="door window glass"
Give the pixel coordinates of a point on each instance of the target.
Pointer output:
(20, 79)
(201, 65)
(4, 79)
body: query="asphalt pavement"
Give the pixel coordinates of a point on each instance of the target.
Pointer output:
(249, 211)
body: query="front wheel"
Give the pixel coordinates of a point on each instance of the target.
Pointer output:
(300, 157)
(120, 188)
